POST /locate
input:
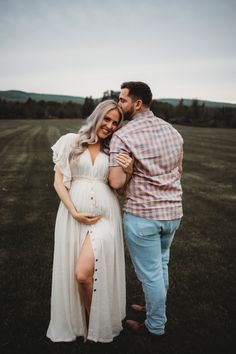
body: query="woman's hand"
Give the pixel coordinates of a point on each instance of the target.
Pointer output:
(86, 218)
(63, 193)
(126, 162)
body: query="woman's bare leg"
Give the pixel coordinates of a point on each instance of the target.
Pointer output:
(84, 274)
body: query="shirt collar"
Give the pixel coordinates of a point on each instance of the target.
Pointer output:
(143, 115)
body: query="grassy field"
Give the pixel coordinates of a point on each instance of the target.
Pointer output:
(201, 299)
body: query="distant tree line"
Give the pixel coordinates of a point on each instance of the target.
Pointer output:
(197, 114)
(32, 109)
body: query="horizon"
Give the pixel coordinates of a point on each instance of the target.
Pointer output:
(154, 98)
(180, 49)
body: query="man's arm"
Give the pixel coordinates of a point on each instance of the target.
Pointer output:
(180, 164)
(117, 176)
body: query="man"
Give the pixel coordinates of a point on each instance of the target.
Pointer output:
(153, 206)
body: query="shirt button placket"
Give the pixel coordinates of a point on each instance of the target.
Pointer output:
(92, 198)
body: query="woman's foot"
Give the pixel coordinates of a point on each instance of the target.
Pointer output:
(88, 341)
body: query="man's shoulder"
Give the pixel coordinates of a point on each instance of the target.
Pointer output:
(168, 127)
(137, 126)
(122, 132)
(174, 131)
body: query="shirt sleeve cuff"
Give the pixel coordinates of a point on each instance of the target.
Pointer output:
(112, 160)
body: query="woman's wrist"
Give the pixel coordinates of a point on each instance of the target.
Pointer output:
(73, 212)
(128, 176)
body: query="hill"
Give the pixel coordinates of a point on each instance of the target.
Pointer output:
(21, 96)
(188, 102)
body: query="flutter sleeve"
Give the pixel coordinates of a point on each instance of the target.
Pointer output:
(61, 151)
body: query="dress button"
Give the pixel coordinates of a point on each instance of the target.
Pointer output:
(95, 270)
(95, 279)
(91, 198)
(94, 290)
(96, 260)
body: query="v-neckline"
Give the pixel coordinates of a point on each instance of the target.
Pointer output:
(90, 157)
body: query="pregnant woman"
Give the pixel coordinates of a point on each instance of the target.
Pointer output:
(88, 285)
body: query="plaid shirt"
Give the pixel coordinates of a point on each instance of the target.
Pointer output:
(154, 191)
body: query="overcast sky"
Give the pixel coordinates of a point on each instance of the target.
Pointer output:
(181, 48)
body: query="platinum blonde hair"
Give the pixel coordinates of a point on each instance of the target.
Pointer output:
(88, 132)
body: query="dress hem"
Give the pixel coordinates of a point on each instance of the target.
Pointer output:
(64, 339)
(102, 340)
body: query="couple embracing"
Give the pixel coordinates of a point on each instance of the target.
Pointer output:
(143, 159)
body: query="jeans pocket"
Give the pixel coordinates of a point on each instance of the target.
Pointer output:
(148, 232)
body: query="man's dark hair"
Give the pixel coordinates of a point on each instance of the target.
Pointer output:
(139, 90)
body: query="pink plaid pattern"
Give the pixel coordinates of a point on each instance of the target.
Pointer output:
(154, 191)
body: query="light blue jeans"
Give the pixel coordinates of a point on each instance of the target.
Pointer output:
(149, 244)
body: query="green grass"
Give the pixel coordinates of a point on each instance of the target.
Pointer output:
(201, 299)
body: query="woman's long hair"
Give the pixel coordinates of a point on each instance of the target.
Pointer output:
(88, 132)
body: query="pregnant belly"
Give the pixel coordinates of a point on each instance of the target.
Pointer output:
(98, 199)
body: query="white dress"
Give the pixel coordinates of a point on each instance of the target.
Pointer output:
(89, 191)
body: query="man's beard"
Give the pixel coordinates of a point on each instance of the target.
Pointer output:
(129, 115)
